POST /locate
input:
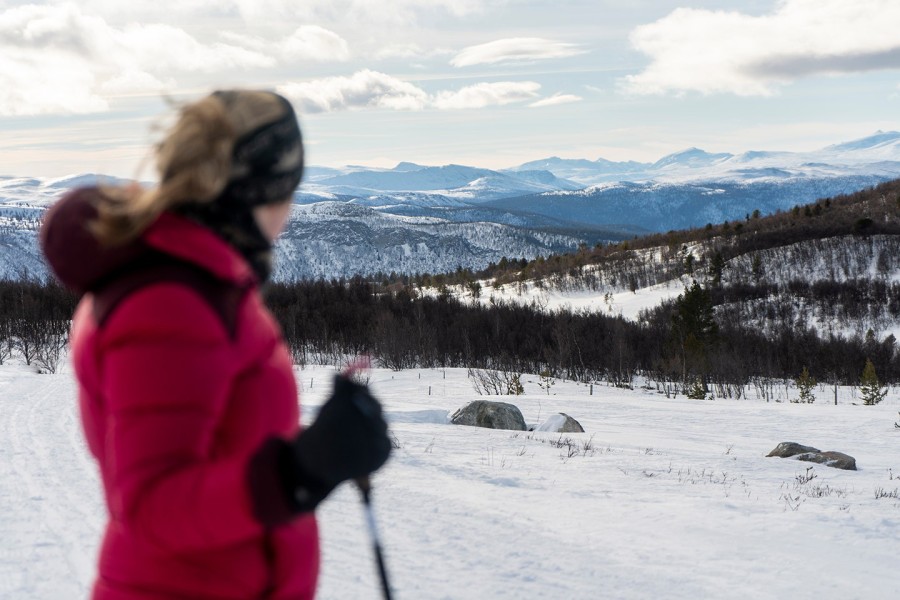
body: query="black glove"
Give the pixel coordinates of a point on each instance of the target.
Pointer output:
(348, 440)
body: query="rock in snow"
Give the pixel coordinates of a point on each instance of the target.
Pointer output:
(493, 415)
(837, 460)
(560, 423)
(788, 449)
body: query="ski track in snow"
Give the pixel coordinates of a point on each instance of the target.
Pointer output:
(674, 499)
(48, 521)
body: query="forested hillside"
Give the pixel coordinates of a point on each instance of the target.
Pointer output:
(754, 302)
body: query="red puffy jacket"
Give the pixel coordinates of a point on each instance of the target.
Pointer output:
(183, 376)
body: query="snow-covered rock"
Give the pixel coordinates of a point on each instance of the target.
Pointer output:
(789, 449)
(836, 460)
(560, 423)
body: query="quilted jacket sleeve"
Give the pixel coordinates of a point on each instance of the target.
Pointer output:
(167, 370)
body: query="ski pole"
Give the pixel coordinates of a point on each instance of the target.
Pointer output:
(365, 487)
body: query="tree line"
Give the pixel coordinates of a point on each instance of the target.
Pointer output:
(681, 340)
(326, 321)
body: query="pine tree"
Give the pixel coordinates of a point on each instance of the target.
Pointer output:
(514, 385)
(546, 381)
(716, 266)
(689, 263)
(806, 385)
(756, 268)
(870, 387)
(694, 329)
(698, 390)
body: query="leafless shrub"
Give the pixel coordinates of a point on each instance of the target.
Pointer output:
(883, 493)
(824, 491)
(490, 382)
(792, 501)
(804, 478)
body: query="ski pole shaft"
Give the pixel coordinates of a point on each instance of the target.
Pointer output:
(365, 487)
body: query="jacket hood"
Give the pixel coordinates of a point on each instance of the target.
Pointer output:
(78, 258)
(82, 262)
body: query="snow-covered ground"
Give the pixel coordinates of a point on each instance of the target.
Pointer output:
(661, 498)
(620, 303)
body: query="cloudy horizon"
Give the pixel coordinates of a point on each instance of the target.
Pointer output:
(86, 87)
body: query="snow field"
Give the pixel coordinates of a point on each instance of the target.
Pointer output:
(661, 498)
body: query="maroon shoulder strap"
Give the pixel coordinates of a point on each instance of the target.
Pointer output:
(222, 296)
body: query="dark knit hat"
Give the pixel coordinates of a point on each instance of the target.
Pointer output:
(266, 168)
(267, 161)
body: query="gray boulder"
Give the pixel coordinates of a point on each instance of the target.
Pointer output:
(489, 414)
(838, 460)
(789, 449)
(560, 423)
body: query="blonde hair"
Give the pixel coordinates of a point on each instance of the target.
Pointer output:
(194, 163)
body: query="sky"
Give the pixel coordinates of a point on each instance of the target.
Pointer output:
(89, 87)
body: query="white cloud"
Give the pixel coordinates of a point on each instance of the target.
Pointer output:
(56, 59)
(131, 82)
(731, 52)
(363, 89)
(409, 50)
(288, 11)
(513, 50)
(481, 95)
(158, 48)
(24, 89)
(556, 100)
(309, 42)
(373, 11)
(368, 89)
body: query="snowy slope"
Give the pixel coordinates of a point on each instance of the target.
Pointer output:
(339, 239)
(333, 239)
(860, 262)
(661, 498)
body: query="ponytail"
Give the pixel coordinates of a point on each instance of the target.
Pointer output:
(193, 162)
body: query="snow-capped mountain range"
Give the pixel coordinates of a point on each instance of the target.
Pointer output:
(877, 154)
(416, 218)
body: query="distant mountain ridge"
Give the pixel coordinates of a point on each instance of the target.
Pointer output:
(414, 218)
(693, 164)
(472, 183)
(662, 207)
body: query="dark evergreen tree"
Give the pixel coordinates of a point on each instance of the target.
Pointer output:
(871, 389)
(805, 385)
(694, 330)
(716, 267)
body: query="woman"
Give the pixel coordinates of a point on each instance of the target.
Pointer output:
(186, 389)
